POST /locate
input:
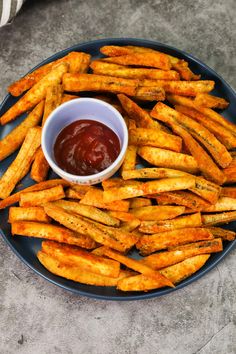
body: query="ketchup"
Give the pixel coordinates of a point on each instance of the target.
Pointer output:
(86, 147)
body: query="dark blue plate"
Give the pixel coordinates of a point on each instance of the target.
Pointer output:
(26, 248)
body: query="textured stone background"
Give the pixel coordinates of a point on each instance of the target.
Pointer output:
(38, 317)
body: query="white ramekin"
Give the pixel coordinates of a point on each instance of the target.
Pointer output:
(77, 109)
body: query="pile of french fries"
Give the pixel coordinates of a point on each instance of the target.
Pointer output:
(168, 210)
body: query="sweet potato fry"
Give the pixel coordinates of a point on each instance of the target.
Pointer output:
(139, 202)
(185, 198)
(21, 165)
(224, 234)
(228, 192)
(154, 137)
(28, 214)
(193, 220)
(52, 100)
(222, 204)
(157, 212)
(77, 274)
(151, 243)
(41, 197)
(90, 82)
(129, 162)
(51, 232)
(209, 101)
(40, 167)
(168, 159)
(87, 261)
(11, 142)
(161, 260)
(152, 172)
(36, 94)
(218, 219)
(206, 190)
(89, 212)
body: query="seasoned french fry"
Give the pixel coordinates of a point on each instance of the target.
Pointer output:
(230, 172)
(131, 226)
(209, 101)
(40, 167)
(152, 172)
(218, 219)
(156, 212)
(168, 159)
(77, 191)
(11, 142)
(66, 97)
(161, 260)
(118, 182)
(154, 137)
(129, 162)
(186, 198)
(41, 197)
(206, 190)
(89, 212)
(52, 100)
(139, 202)
(228, 192)
(77, 274)
(193, 220)
(87, 261)
(151, 243)
(150, 93)
(102, 68)
(185, 88)
(28, 214)
(123, 216)
(51, 232)
(36, 94)
(226, 235)
(21, 165)
(185, 73)
(223, 204)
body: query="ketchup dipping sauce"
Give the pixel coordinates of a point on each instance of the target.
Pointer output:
(86, 147)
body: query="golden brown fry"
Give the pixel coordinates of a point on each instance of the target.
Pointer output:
(77, 191)
(228, 192)
(151, 243)
(206, 190)
(206, 100)
(77, 274)
(36, 94)
(157, 212)
(185, 88)
(11, 142)
(139, 202)
(185, 73)
(230, 172)
(152, 172)
(87, 261)
(218, 219)
(168, 159)
(129, 162)
(118, 182)
(123, 216)
(180, 222)
(226, 235)
(186, 198)
(150, 93)
(40, 167)
(51, 232)
(222, 204)
(41, 197)
(154, 137)
(52, 100)
(28, 214)
(21, 165)
(130, 226)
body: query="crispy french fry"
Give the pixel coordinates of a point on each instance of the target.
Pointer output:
(137, 266)
(89, 212)
(224, 234)
(51, 232)
(156, 212)
(28, 214)
(228, 192)
(131, 226)
(77, 274)
(222, 204)
(11, 142)
(41, 197)
(102, 68)
(205, 163)
(154, 137)
(21, 165)
(87, 261)
(139, 202)
(186, 198)
(184, 71)
(218, 219)
(230, 172)
(78, 224)
(168, 159)
(123, 216)
(161, 260)
(52, 100)
(95, 197)
(150, 93)
(209, 101)
(185, 88)
(129, 162)
(193, 220)
(151, 243)
(40, 167)
(118, 182)
(152, 172)
(36, 94)
(90, 82)
(206, 190)
(99, 251)
(77, 191)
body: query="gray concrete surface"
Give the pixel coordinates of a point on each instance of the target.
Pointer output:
(38, 317)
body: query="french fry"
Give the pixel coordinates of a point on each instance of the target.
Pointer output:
(161, 260)
(222, 204)
(89, 212)
(205, 163)
(228, 192)
(139, 115)
(224, 234)
(66, 97)
(40, 167)
(36, 94)
(156, 138)
(168, 159)
(131, 226)
(118, 182)
(206, 190)
(87, 261)
(77, 191)
(137, 266)
(52, 100)
(151, 243)
(129, 162)
(184, 71)
(21, 165)
(102, 68)
(156, 212)
(151, 187)
(185, 198)
(184, 88)
(95, 197)
(78, 224)
(152, 172)
(28, 214)
(123, 216)
(220, 132)
(193, 220)
(99, 251)
(150, 93)
(11, 142)
(230, 172)
(139, 202)
(209, 101)
(90, 82)
(218, 219)
(51, 232)
(41, 197)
